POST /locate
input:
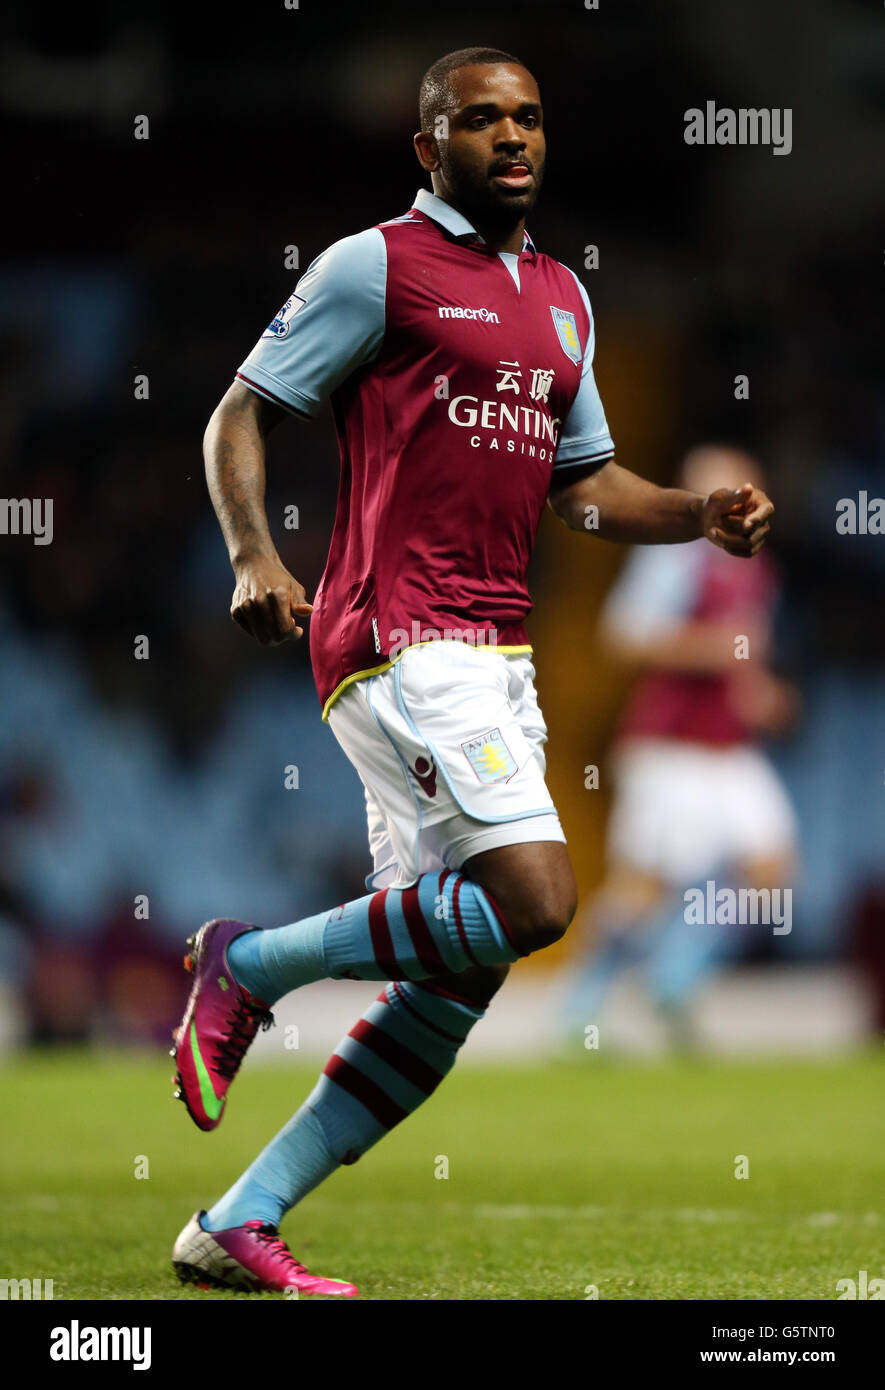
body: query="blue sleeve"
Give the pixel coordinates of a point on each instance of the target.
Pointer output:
(332, 324)
(584, 440)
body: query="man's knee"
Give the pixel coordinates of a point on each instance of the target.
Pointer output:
(541, 922)
(533, 888)
(550, 924)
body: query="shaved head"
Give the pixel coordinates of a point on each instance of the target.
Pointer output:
(436, 96)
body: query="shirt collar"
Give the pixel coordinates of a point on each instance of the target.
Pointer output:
(455, 222)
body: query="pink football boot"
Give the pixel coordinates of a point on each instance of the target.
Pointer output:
(252, 1257)
(219, 1023)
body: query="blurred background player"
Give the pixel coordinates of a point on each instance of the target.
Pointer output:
(695, 796)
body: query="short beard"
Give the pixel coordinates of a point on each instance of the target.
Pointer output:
(481, 201)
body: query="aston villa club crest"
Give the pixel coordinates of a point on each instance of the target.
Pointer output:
(490, 757)
(567, 332)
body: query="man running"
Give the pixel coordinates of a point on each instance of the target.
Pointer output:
(458, 362)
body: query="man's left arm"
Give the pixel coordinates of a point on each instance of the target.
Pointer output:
(592, 493)
(618, 505)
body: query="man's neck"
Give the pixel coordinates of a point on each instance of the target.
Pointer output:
(498, 236)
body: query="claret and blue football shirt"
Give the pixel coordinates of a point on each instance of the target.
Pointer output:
(461, 383)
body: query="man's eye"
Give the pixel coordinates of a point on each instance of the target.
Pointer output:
(530, 120)
(478, 122)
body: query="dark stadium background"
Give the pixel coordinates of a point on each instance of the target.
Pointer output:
(164, 777)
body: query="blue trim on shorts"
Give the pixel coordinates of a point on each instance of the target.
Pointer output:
(405, 767)
(485, 820)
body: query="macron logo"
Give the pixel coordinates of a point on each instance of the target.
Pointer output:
(446, 311)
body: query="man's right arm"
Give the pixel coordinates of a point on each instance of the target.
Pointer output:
(329, 327)
(267, 598)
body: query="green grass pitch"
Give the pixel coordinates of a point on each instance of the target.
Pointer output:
(562, 1175)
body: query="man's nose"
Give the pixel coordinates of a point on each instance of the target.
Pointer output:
(510, 134)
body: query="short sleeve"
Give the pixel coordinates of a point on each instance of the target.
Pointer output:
(584, 441)
(332, 324)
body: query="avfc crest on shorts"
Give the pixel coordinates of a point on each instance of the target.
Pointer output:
(490, 757)
(567, 331)
(279, 326)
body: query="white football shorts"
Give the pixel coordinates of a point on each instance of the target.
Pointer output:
(449, 745)
(683, 810)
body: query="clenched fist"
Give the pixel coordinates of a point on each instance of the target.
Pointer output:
(737, 519)
(267, 600)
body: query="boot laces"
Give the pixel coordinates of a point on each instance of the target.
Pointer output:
(270, 1236)
(245, 1023)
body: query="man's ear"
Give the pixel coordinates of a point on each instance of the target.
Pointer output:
(427, 151)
